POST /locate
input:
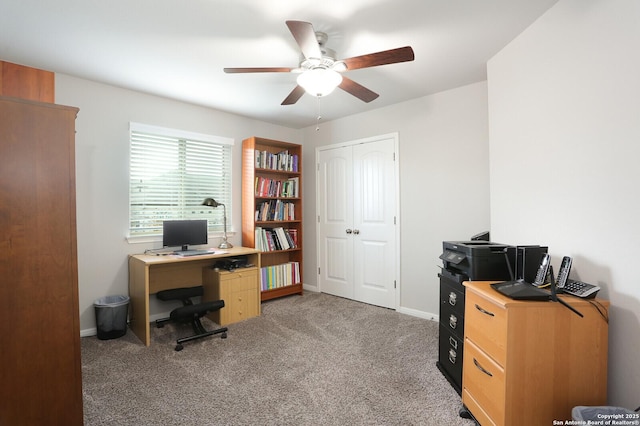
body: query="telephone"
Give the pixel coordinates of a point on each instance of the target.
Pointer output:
(575, 288)
(543, 278)
(563, 273)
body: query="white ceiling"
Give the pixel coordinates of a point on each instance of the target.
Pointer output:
(178, 48)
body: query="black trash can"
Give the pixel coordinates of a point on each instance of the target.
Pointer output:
(600, 414)
(111, 316)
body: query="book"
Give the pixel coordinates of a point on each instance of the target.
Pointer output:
(277, 276)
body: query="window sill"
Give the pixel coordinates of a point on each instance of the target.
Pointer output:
(150, 239)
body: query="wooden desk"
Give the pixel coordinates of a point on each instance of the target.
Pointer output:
(528, 363)
(150, 274)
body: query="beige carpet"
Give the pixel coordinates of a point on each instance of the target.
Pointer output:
(308, 360)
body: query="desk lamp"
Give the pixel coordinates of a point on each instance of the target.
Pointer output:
(210, 202)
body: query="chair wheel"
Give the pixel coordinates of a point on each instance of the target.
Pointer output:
(464, 413)
(179, 347)
(223, 336)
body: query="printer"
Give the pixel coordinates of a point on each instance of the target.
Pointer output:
(474, 260)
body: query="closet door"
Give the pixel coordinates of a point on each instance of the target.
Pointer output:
(356, 221)
(374, 207)
(335, 207)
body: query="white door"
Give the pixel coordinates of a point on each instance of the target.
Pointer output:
(357, 203)
(335, 214)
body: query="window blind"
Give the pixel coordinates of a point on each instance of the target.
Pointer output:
(171, 173)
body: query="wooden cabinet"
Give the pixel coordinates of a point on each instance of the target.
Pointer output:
(40, 356)
(239, 289)
(530, 363)
(268, 167)
(23, 82)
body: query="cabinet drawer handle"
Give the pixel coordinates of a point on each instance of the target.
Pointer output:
(477, 364)
(452, 356)
(453, 342)
(491, 314)
(453, 321)
(453, 298)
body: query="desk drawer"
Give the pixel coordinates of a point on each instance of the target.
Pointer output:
(240, 291)
(486, 326)
(240, 280)
(484, 381)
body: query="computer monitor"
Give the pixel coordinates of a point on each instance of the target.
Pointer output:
(184, 233)
(483, 236)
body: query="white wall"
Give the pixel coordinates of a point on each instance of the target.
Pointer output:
(564, 109)
(443, 163)
(444, 181)
(102, 175)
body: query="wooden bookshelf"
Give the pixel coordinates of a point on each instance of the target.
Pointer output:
(272, 176)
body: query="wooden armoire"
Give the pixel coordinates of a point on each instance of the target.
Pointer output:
(40, 369)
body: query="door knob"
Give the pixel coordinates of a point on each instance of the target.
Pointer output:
(349, 231)
(356, 231)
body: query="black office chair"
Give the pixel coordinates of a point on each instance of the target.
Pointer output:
(190, 312)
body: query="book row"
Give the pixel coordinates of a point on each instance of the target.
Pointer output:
(271, 239)
(279, 275)
(275, 210)
(265, 187)
(280, 161)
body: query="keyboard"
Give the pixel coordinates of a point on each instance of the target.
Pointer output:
(186, 253)
(580, 289)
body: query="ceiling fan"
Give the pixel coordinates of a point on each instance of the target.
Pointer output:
(320, 72)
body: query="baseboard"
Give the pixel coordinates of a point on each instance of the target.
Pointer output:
(311, 288)
(419, 314)
(88, 332)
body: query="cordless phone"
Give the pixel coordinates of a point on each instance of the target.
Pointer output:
(563, 273)
(542, 276)
(575, 288)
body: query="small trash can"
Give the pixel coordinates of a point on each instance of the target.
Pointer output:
(586, 413)
(111, 316)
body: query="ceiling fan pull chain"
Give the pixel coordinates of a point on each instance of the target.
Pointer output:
(319, 117)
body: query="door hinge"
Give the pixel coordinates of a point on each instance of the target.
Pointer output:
(394, 283)
(394, 220)
(318, 271)
(394, 156)
(318, 218)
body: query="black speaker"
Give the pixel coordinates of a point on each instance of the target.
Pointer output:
(527, 262)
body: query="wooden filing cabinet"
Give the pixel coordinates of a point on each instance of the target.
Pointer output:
(530, 363)
(240, 290)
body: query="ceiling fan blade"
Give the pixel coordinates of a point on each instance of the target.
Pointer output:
(305, 36)
(293, 97)
(393, 56)
(357, 90)
(243, 70)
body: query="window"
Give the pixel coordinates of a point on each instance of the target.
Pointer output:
(171, 173)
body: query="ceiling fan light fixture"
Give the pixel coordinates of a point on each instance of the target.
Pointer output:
(319, 81)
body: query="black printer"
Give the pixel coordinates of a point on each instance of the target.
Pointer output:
(475, 260)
